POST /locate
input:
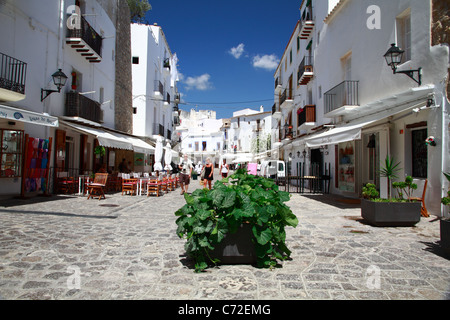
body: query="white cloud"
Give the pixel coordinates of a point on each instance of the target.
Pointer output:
(201, 83)
(267, 62)
(237, 51)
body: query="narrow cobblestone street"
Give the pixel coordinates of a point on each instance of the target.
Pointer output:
(125, 247)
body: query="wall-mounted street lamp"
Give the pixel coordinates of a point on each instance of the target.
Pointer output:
(59, 79)
(394, 57)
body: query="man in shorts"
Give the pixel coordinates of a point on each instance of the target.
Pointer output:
(185, 173)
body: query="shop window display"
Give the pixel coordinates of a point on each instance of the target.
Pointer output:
(11, 153)
(347, 166)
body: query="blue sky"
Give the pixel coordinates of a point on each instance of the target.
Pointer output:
(228, 50)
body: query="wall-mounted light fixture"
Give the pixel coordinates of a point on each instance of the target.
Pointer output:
(59, 79)
(394, 57)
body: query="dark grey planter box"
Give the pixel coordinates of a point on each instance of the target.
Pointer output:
(391, 214)
(445, 234)
(236, 248)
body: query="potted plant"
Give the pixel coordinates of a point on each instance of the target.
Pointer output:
(391, 212)
(99, 151)
(445, 222)
(241, 219)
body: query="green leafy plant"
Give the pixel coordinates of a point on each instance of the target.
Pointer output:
(100, 150)
(370, 191)
(389, 172)
(209, 215)
(446, 200)
(405, 188)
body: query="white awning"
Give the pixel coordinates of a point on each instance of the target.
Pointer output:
(337, 135)
(17, 114)
(114, 140)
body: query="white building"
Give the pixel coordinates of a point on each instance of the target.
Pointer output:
(77, 37)
(249, 136)
(364, 112)
(155, 78)
(200, 135)
(71, 129)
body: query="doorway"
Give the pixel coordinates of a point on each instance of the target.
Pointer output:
(371, 156)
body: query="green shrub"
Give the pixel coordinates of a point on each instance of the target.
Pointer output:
(369, 191)
(209, 215)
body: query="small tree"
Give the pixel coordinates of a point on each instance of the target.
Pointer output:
(138, 10)
(405, 187)
(388, 172)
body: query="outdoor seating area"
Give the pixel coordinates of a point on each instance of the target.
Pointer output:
(128, 184)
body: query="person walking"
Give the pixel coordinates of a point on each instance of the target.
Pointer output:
(224, 169)
(185, 167)
(209, 173)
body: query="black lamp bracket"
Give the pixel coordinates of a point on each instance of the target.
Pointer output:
(47, 93)
(410, 73)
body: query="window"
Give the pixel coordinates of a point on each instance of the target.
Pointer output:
(290, 57)
(404, 34)
(135, 60)
(419, 154)
(298, 44)
(11, 153)
(196, 146)
(347, 66)
(204, 146)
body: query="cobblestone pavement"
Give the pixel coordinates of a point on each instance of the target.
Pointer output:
(125, 247)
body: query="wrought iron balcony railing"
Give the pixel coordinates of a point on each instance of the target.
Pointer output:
(88, 35)
(78, 105)
(344, 94)
(12, 74)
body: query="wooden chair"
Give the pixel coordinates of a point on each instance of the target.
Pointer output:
(171, 183)
(129, 185)
(97, 187)
(66, 185)
(153, 187)
(423, 210)
(163, 185)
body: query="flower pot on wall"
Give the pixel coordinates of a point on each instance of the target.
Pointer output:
(391, 214)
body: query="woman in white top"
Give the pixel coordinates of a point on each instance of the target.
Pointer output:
(224, 169)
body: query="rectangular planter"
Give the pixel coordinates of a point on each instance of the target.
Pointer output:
(236, 248)
(391, 214)
(445, 234)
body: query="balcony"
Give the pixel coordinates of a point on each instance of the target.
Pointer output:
(78, 105)
(278, 87)
(12, 78)
(276, 112)
(177, 98)
(286, 100)
(158, 90)
(167, 100)
(342, 99)
(286, 132)
(306, 22)
(305, 71)
(306, 117)
(86, 41)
